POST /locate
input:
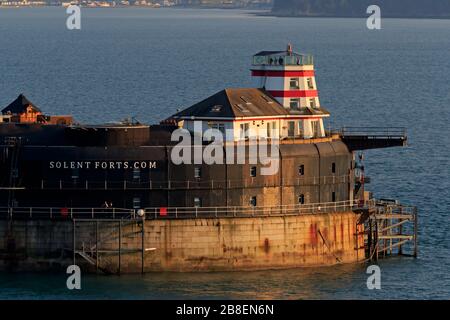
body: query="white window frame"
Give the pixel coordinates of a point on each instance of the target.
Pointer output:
(296, 101)
(296, 82)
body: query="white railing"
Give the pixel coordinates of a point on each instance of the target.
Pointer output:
(65, 213)
(240, 211)
(200, 212)
(261, 181)
(172, 212)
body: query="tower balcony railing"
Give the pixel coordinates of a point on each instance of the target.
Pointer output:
(283, 60)
(261, 181)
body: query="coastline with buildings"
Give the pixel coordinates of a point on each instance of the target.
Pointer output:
(89, 3)
(432, 9)
(231, 4)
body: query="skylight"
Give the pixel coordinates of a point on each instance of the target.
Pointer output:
(242, 108)
(216, 108)
(245, 100)
(266, 98)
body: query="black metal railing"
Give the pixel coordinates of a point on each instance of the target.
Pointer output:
(378, 132)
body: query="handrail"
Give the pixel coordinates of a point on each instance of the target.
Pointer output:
(373, 131)
(239, 211)
(66, 213)
(189, 184)
(202, 212)
(172, 212)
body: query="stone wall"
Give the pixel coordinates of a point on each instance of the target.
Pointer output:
(204, 244)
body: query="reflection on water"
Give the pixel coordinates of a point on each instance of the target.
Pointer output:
(336, 282)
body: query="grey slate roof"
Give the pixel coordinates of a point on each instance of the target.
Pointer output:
(242, 102)
(232, 103)
(19, 105)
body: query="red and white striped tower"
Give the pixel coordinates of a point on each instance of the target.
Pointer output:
(289, 77)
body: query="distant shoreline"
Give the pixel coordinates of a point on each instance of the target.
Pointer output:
(279, 15)
(263, 12)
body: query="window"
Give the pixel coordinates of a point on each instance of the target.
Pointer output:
(197, 172)
(300, 128)
(333, 167)
(301, 199)
(75, 173)
(333, 196)
(197, 202)
(218, 126)
(253, 201)
(291, 128)
(136, 203)
(269, 130)
(244, 130)
(252, 171)
(310, 83)
(136, 174)
(315, 128)
(294, 83)
(312, 103)
(301, 170)
(294, 104)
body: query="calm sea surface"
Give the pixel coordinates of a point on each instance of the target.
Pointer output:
(147, 63)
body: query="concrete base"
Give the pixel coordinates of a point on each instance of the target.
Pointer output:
(206, 244)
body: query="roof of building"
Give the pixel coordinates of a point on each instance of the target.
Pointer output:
(279, 53)
(243, 102)
(233, 103)
(19, 105)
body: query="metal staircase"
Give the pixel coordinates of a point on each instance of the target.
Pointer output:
(94, 246)
(389, 228)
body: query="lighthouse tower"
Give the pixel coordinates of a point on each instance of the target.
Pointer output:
(289, 77)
